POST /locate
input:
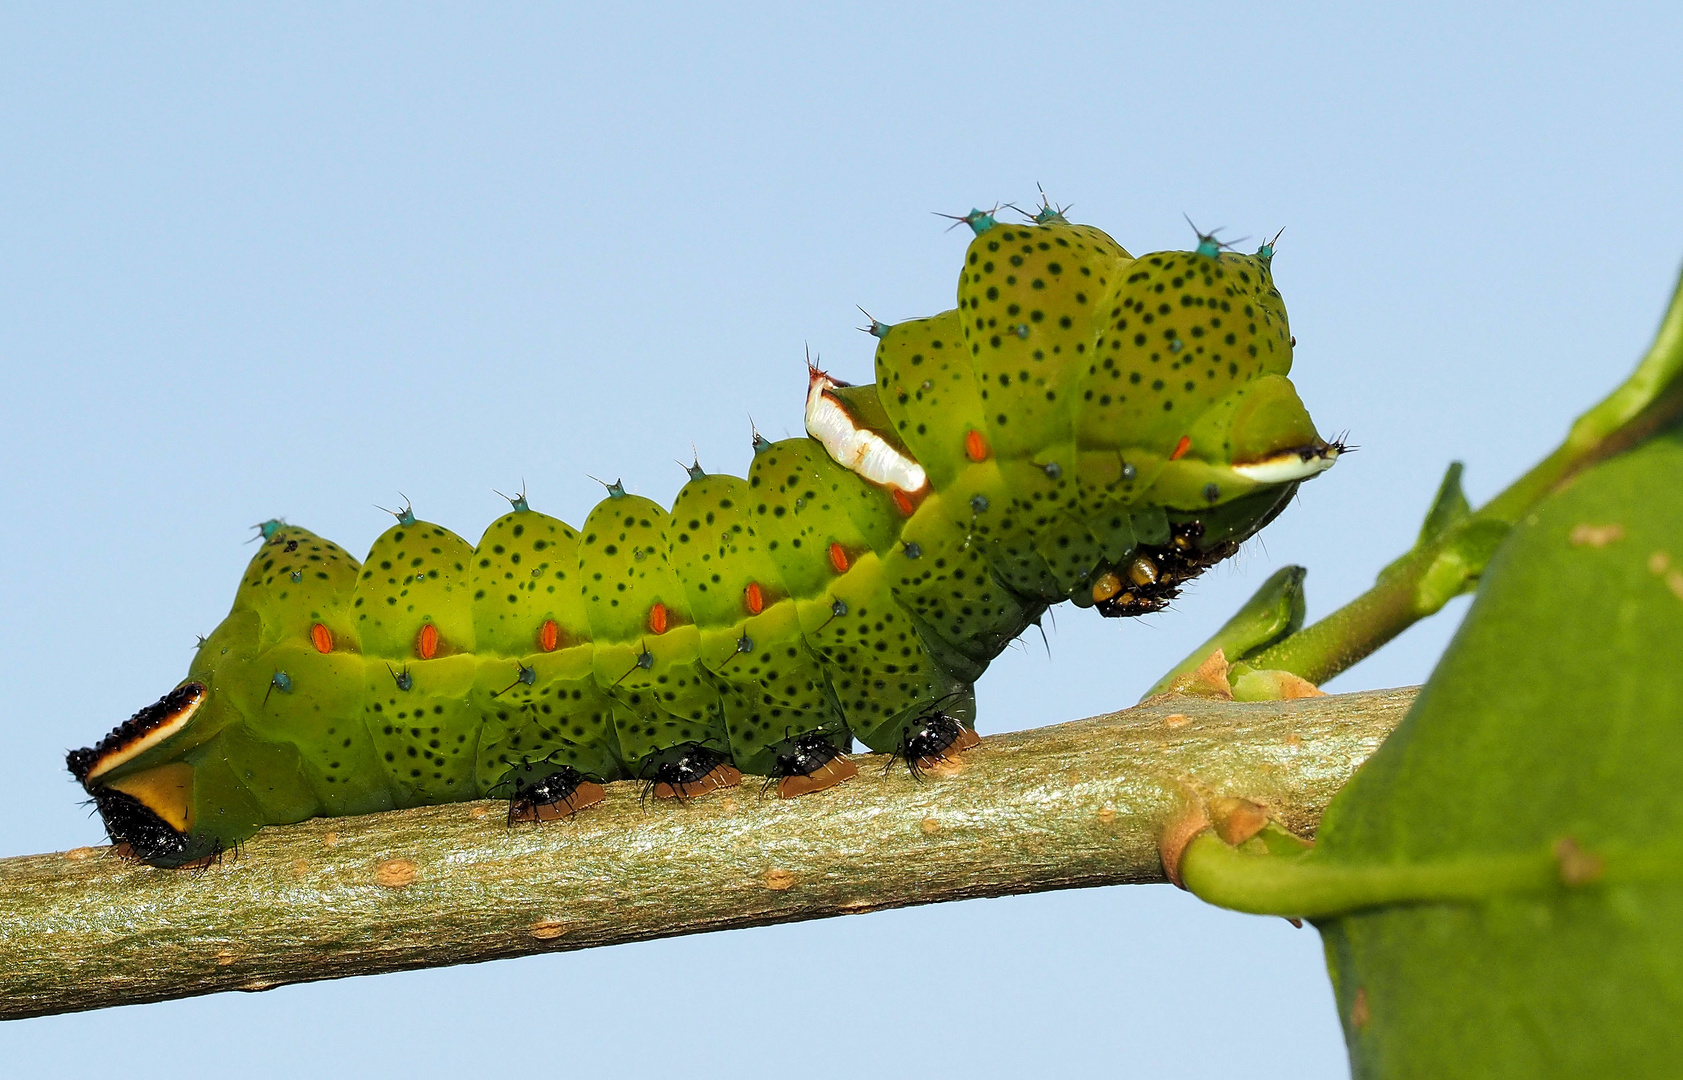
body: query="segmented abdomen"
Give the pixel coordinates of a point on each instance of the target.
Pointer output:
(757, 611)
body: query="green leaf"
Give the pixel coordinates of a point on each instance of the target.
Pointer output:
(1511, 860)
(1449, 506)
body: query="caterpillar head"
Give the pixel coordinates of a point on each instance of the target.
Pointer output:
(1104, 407)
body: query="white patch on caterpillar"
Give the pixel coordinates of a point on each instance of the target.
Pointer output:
(1291, 465)
(128, 751)
(856, 448)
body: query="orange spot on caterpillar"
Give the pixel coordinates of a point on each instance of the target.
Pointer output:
(322, 638)
(426, 642)
(549, 635)
(1181, 448)
(657, 618)
(903, 502)
(754, 598)
(975, 446)
(838, 558)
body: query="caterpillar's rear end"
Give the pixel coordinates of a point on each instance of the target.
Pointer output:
(1085, 426)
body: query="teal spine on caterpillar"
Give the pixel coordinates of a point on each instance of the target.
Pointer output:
(1084, 426)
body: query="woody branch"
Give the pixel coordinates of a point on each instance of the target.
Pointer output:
(1072, 805)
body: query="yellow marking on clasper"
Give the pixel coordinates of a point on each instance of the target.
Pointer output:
(166, 791)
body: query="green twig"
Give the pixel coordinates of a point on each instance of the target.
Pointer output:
(1456, 543)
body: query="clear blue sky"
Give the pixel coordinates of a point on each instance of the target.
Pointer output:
(293, 260)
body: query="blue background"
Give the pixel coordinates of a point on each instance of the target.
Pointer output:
(295, 260)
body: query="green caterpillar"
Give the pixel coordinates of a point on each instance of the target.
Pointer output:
(1084, 426)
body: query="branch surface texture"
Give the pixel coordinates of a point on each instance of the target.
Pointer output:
(1073, 805)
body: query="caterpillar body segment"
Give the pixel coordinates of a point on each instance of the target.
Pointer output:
(1026, 301)
(647, 644)
(750, 637)
(1083, 426)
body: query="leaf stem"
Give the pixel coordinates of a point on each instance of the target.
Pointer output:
(1307, 887)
